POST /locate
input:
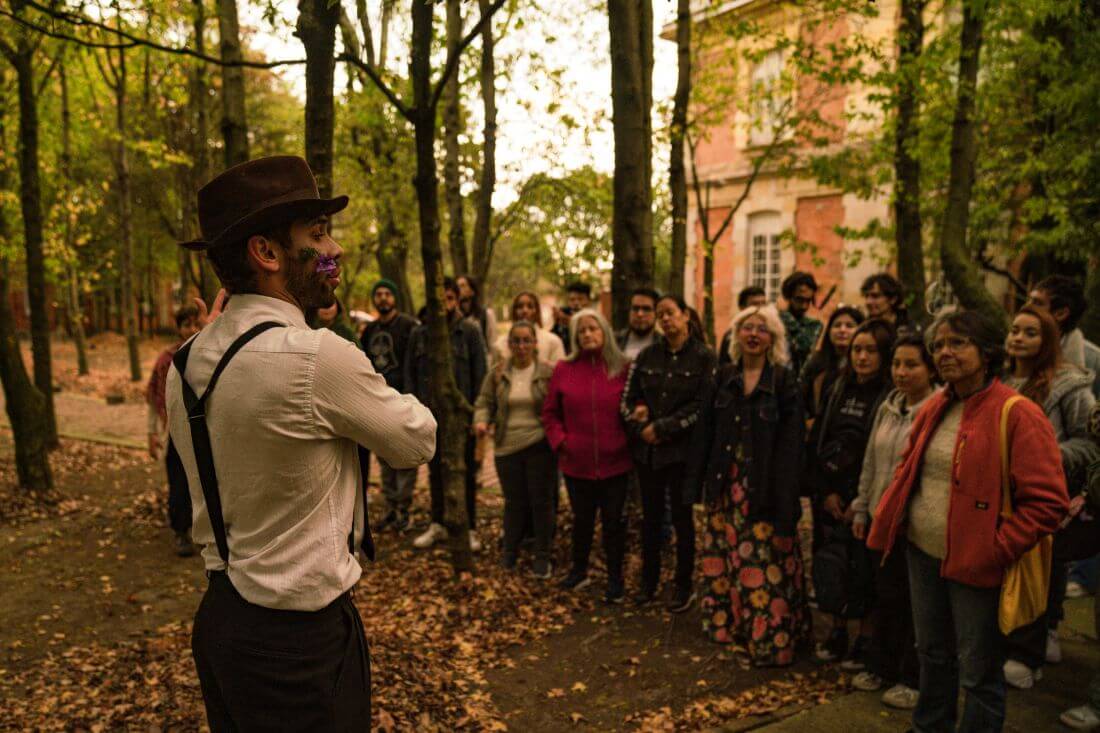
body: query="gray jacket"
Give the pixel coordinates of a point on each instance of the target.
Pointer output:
(492, 401)
(1076, 349)
(889, 436)
(1067, 407)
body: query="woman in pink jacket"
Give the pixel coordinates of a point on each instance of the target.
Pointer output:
(582, 422)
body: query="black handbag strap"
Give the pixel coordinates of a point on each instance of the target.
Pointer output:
(200, 435)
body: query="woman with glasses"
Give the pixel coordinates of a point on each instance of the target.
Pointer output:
(945, 499)
(744, 465)
(526, 307)
(511, 401)
(660, 407)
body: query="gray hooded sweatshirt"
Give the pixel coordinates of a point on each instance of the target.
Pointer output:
(889, 435)
(1067, 407)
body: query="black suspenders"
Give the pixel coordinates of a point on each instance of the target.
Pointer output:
(204, 454)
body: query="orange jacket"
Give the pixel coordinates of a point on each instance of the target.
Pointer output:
(980, 544)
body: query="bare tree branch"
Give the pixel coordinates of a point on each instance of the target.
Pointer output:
(405, 110)
(452, 59)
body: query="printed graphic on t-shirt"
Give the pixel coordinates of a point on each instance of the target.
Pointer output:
(381, 351)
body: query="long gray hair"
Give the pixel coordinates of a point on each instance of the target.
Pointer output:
(614, 359)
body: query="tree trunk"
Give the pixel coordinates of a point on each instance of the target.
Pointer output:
(482, 242)
(317, 21)
(631, 27)
(126, 222)
(200, 172)
(452, 124)
(1090, 322)
(72, 290)
(30, 198)
(708, 291)
(958, 264)
(677, 175)
(392, 256)
(234, 121)
(907, 217)
(452, 411)
(28, 411)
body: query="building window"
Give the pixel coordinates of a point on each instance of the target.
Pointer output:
(765, 253)
(766, 99)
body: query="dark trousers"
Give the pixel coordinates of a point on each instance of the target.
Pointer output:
(940, 605)
(179, 496)
(528, 480)
(893, 649)
(1028, 644)
(607, 496)
(266, 670)
(663, 488)
(435, 484)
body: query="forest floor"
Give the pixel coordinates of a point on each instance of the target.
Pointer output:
(97, 610)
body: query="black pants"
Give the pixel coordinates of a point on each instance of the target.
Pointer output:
(663, 488)
(435, 484)
(607, 496)
(179, 496)
(893, 654)
(266, 670)
(529, 480)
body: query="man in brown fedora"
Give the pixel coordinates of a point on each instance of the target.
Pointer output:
(271, 461)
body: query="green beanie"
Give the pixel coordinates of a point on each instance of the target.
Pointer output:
(385, 283)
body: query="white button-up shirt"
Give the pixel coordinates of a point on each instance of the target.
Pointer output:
(284, 421)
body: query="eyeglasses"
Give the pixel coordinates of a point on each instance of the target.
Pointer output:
(954, 344)
(754, 328)
(521, 341)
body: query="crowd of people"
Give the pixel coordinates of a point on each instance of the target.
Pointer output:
(890, 433)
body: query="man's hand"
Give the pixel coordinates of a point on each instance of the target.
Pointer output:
(834, 507)
(206, 317)
(640, 414)
(154, 446)
(649, 434)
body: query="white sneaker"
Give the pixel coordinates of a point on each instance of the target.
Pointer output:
(1075, 590)
(475, 541)
(901, 697)
(1054, 647)
(1020, 675)
(1082, 718)
(434, 533)
(867, 682)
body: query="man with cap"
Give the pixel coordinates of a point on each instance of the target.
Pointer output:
(266, 414)
(386, 342)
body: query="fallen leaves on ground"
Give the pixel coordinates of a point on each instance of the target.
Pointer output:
(795, 689)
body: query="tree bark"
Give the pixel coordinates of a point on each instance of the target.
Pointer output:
(452, 126)
(631, 26)
(1090, 322)
(677, 173)
(482, 239)
(317, 21)
(234, 120)
(907, 216)
(453, 413)
(72, 290)
(200, 172)
(30, 198)
(958, 264)
(28, 411)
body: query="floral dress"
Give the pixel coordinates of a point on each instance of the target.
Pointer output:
(754, 580)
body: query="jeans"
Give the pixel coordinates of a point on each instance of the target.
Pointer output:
(528, 480)
(663, 488)
(607, 496)
(179, 496)
(397, 486)
(940, 605)
(435, 484)
(893, 654)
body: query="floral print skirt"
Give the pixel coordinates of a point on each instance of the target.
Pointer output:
(754, 583)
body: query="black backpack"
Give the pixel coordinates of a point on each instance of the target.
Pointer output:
(842, 575)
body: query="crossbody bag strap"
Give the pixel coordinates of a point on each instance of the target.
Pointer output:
(200, 435)
(1006, 480)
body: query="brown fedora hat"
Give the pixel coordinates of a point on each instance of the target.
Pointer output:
(252, 197)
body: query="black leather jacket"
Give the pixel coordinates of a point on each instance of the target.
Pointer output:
(767, 426)
(670, 385)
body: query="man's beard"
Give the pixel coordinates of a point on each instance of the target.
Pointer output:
(383, 310)
(308, 286)
(643, 332)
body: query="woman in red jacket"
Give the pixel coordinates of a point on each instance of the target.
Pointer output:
(582, 422)
(946, 497)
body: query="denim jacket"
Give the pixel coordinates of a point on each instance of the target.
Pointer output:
(766, 428)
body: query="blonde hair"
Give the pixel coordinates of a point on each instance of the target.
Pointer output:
(614, 359)
(778, 353)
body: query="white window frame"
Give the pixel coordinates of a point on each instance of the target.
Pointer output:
(765, 104)
(765, 251)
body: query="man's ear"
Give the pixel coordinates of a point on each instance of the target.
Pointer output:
(264, 254)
